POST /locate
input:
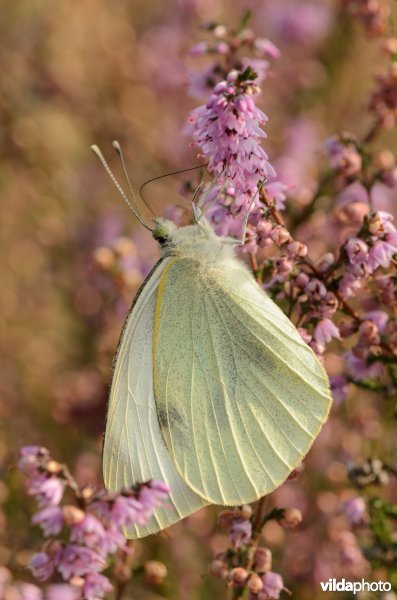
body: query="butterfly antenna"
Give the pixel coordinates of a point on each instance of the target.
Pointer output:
(99, 154)
(166, 175)
(117, 147)
(214, 200)
(247, 214)
(196, 209)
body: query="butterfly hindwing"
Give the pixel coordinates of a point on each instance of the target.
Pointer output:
(240, 397)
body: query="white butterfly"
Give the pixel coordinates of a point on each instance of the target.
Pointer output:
(214, 391)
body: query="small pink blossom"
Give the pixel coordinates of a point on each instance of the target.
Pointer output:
(361, 369)
(357, 251)
(77, 561)
(355, 510)
(273, 585)
(265, 47)
(62, 591)
(276, 190)
(50, 492)
(50, 519)
(96, 586)
(379, 317)
(349, 284)
(31, 457)
(25, 591)
(381, 254)
(325, 331)
(41, 565)
(240, 532)
(339, 387)
(91, 533)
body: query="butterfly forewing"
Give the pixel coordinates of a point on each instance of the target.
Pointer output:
(134, 449)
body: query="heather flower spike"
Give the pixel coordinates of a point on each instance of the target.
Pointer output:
(90, 533)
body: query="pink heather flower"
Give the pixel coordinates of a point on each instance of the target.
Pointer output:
(349, 549)
(315, 289)
(357, 251)
(50, 492)
(273, 585)
(96, 586)
(343, 156)
(240, 532)
(379, 317)
(199, 49)
(381, 254)
(264, 47)
(276, 190)
(153, 494)
(127, 511)
(31, 457)
(339, 387)
(62, 591)
(348, 285)
(114, 539)
(324, 331)
(50, 520)
(25, 591)
(355, 510)
(77, 561)
(227, 129)
(91, 533)
(305, 335)
(41, 566)
(360, 369)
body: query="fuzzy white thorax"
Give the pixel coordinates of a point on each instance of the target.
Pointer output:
(197, 241)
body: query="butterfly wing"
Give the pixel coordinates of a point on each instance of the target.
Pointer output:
(134, 449)
(240, 397)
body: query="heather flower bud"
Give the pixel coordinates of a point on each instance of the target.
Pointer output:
(124, 246)
(238, 576)
(262, 560)
(316, 289)
(290, 518)
(369, 332)
(220, 31)
(53, 467)
(390, 45)
(226, 518)
(301, 280)
(357, 250)
(104, 257)
(325, 262)
(218, 569)
(255, 584)
(375, 224)
(384, 160)
(296, 249)
(347, 328)
(155, 572)
(280, 235)
(72, 515)
(389, 177)
(77, 581)
(244, 512)
(283, 267)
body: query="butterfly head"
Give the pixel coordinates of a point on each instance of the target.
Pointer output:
(163, 231)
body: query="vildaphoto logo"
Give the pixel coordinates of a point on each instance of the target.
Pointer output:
(341, 585)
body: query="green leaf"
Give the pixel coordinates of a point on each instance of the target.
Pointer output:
(246, 18)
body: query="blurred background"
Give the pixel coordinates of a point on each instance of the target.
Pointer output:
(72, 256)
